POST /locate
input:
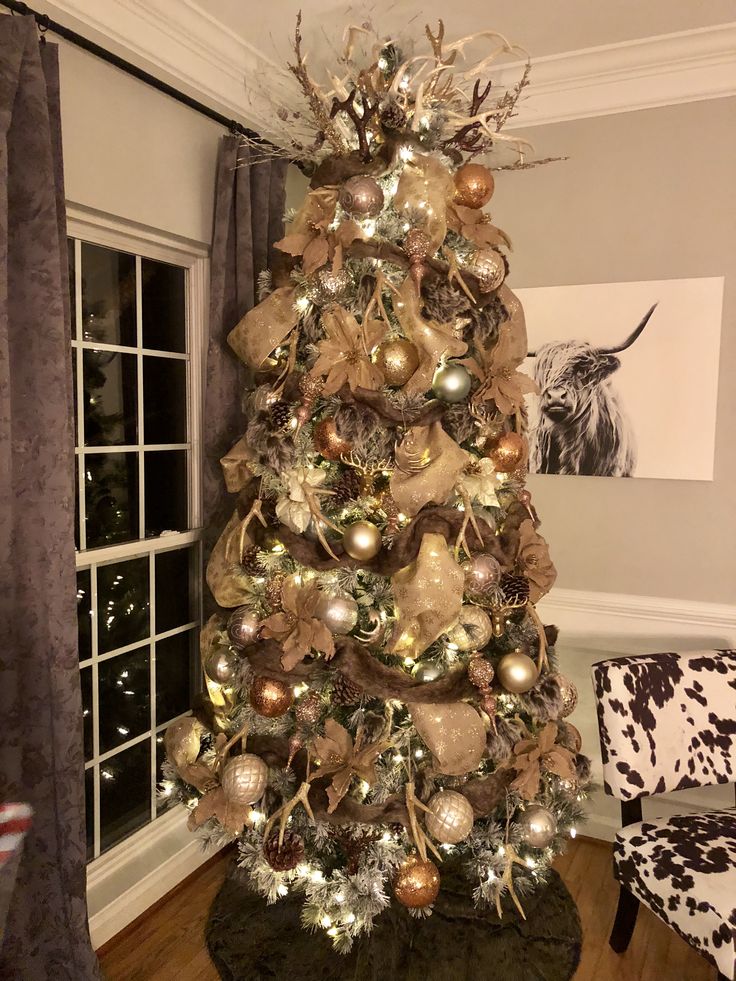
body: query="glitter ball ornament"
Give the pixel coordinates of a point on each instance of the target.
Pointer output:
(480, 672)
(287, 855)
(242, 627)
(398, 360)
(325, 287)
(426, 671)
(507, 452)
(417, 883)
(482, 573)
(474, 185)
(473, 629)
(537, 826)
(362, 540)
(516, 672)
(327, 441)
(308, 709)
(451, 382)
(338, 613)
(450, 817)
(361, 197)
(221, 665)
(244, 779)
(344, 691)
(269, 697)
(489, 268)
(569, 694)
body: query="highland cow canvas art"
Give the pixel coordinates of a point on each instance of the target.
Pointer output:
(620, 368)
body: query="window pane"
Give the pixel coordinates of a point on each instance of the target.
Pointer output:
(108, 296)
(86, 679)
(164, 400)
(167, 507)
(164, 306)
(122, 603)
(125, 703)
(173, 676)
(162, 803)
(125, 793)
(110, 398)
(84, 614)
(89, 809)
(174, 598)
(72, 285)
(111, 498)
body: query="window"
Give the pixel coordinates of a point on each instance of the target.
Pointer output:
(136, 330)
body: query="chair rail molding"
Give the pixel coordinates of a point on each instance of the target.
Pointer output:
(204, 57)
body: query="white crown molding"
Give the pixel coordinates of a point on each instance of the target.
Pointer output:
(185, 43)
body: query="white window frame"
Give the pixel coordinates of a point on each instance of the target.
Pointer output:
(130, 876)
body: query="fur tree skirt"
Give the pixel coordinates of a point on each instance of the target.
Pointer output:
(249, 941)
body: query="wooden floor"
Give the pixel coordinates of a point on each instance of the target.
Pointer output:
(167, 944)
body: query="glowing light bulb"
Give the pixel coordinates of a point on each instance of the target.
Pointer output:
(326, 922)
(283, 890)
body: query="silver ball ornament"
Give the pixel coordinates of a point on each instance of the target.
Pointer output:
(221, 665)
(537, 825)
(451, 382)
(243, 626)
(244, 779)
(516, 672)
(426, 672)
(338, 613)
(450, 817)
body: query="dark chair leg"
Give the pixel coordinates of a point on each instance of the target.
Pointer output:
(623, 925)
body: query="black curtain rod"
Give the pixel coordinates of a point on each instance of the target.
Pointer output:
(45, 23)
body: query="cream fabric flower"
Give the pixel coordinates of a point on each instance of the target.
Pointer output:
(292, 507)
(478, 482)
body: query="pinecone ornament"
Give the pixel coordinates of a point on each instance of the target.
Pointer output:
(347, 488)
(288, 856)
(280, 413)
(392, 116)
(344, 691)
(250, 562)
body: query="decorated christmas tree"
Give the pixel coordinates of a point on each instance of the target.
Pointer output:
(382, 694)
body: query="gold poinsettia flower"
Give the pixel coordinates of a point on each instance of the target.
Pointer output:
(345, 353)
(532, 756)
(310, 235)
(338, 756)
(496, 369)
(534, 561)
(296, 626)
(476, 226)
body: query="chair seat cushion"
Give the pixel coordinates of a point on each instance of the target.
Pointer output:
(684, 869)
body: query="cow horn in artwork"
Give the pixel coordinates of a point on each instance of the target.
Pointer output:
(627, 343)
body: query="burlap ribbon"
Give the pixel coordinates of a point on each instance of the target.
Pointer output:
(428, 462)
(264, 327)
(433, 340)
(236, 466)
(454, 734)
(425, 187)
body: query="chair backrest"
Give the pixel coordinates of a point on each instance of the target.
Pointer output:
(666, 721)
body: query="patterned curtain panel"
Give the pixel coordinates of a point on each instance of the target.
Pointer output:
(41, 760)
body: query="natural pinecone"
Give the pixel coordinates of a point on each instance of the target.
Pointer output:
(250, 561)
(280, 413)
(347, 488)
(344, 691)
(392, 116)
(288, 856)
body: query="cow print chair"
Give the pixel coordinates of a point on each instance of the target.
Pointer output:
(668, 722)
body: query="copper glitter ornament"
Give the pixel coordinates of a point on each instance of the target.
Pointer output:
(417, 246)
(243, 626)
(296, 742)
(244, 779)
(569, 694)
(480, 672)
(362, 540)
(489, 268)
(308, 709)
(398, 360)
(516, 672)
(507, 452)
(450, 817)
(474, 185)
(361, 197)
(269, 697)
(417, 883)
(537, 826)
(327, 441)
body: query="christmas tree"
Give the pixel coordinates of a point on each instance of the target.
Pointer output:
(382, 694)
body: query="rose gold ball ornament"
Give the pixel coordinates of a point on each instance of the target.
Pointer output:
(516, 672)
(398, 360)
(489, 268)
(474, 185)
(537, 825)
(244, 779)
(296, 742)
(417, 883)
(362, 540)
(569, 694)
(242, 627)
(361, 197)
(450, 817)
(308, 709)
(270, 698)
(508, 452)
(327, 441)
(221, 665)
(338, 613)
(480, 672)
(482, 573)
(451, 382)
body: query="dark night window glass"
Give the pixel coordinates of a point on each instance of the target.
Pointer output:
(84, 613)
(89, 809)
(108, 296)
(174, 599)
(122, 603)
(125, 793)
(164, 400)
(86, 680)
(164, 306)
(166, 491)
(110, 398)
(111, 498)
(162, 803)
(72, 284)
(125, 710)
(173, 676)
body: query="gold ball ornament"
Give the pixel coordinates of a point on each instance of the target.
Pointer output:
(398, 360)
(474, 185)
(507, 452)
(489, 268)
(516, 672)
(269, 697)
(450, 817)
(569, 694)
(473, 629)
(451, 382)
(537, 825)
(327, 441)
(325, 287)
(361, 197)
(417, 883)
(244, 779)
(362, 540)
(426, 671)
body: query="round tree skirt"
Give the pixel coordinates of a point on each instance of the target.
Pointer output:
(250, 941)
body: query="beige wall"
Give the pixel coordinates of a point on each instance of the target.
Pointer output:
(644, 195)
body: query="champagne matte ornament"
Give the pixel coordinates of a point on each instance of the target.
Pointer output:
(338, 613)
(451, 382)
(242, 627)
(537, 826)
(516, 672)
(450, 817)
(269, 697)
(244, 779)
(417, 883)
(362, 540)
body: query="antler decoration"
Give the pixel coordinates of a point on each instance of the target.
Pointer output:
(507, 879)
(283, 813)
(468, 519)
(467, 137)
(349, 106)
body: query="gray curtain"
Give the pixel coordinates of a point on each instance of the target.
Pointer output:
(249, 218)
(41, 756)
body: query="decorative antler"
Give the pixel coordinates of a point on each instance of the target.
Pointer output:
(360, 122)
(467, 137)
(284, 812)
